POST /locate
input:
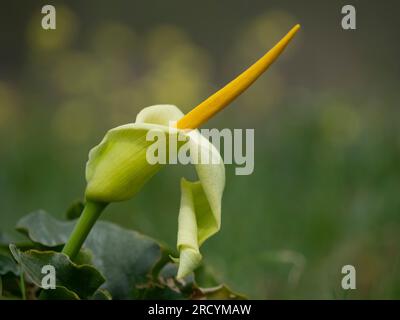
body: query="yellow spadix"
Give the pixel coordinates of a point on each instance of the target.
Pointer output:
(219, 100)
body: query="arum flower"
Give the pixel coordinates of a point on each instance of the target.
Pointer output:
(117, 168)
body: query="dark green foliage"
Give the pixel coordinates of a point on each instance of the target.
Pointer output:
(114, 263)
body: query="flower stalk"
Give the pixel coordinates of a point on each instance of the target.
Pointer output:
(89, 216)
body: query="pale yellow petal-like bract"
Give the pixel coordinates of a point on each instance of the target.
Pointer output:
(117, 169)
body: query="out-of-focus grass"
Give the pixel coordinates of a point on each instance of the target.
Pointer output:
(325, 188)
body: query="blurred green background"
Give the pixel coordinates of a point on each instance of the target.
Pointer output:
(325, 190)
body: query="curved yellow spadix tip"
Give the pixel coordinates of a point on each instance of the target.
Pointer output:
(227, 94)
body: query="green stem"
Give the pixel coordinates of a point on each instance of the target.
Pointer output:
(90, 214)
(22, 284)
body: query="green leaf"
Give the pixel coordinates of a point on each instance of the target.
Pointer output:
(167, 286)
(42, 228)
(59, 293)
(205, 277)
(10, 286)
(164, 287)
(125, 258)
(155, 291)
(7, 238)
(221, 292)
(101, 294)
(7, 265)
(81, 280)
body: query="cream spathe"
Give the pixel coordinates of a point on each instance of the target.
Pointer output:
(117, 169)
